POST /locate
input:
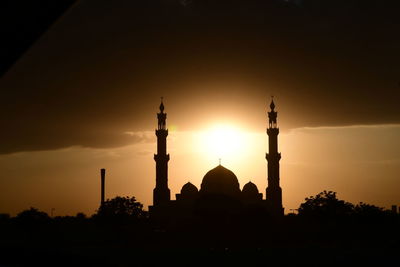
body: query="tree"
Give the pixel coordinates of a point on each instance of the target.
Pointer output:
(4, 217)
(122, 207)
(367, 210)
(325, 205)
(80, 216)
(32, 215)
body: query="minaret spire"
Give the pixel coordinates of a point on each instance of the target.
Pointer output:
(274, 191)
(161, 193)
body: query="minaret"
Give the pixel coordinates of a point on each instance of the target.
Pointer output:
(274, 191)
(161, 193)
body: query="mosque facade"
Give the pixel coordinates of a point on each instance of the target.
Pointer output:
(220, 189)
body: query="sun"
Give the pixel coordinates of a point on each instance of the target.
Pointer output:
(223, 141)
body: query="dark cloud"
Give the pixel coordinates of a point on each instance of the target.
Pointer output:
(22, 22)
(98, 73)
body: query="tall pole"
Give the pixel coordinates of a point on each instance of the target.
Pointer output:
(103, 181)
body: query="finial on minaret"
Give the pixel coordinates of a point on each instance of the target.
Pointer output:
(272, 105)
(219, 161)
(162, 105)
(272, 114)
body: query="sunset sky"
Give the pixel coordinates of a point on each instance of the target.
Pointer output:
(86, 94)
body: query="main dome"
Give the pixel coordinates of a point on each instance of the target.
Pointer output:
(220, 181)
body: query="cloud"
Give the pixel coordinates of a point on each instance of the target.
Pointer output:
(97, 74)
(142, 137)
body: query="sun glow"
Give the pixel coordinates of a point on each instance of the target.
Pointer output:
(223, 142)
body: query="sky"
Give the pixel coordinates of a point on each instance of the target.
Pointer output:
(86, 94)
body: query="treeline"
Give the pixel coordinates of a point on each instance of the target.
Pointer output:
(116, 209)
(326, 231)
(326, 205)
(323, 206)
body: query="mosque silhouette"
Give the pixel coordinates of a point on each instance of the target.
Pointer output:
(219, 190)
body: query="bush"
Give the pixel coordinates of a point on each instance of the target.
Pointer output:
(325, 205)
(122, 208)
(32, 215)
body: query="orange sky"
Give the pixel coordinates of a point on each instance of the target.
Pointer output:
(361, 163)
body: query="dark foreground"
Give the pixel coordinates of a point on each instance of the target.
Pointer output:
(290, 241)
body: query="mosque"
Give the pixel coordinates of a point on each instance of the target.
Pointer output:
(219, 190)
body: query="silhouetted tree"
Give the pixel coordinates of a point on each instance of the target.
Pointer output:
(122, 207)
(367, 210)
(80, 216)
(325, 205)
(4, 217)
(32, 215)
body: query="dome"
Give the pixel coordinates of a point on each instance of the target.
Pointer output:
(189, 189)
(250, 189)
(220, 180)
(250, 193)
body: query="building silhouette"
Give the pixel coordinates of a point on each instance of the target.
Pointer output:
(219, 192)
(161, 193)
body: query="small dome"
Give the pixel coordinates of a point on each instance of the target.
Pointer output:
(250, 189)
(162, 106)
(220, 180)
(189, 189)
